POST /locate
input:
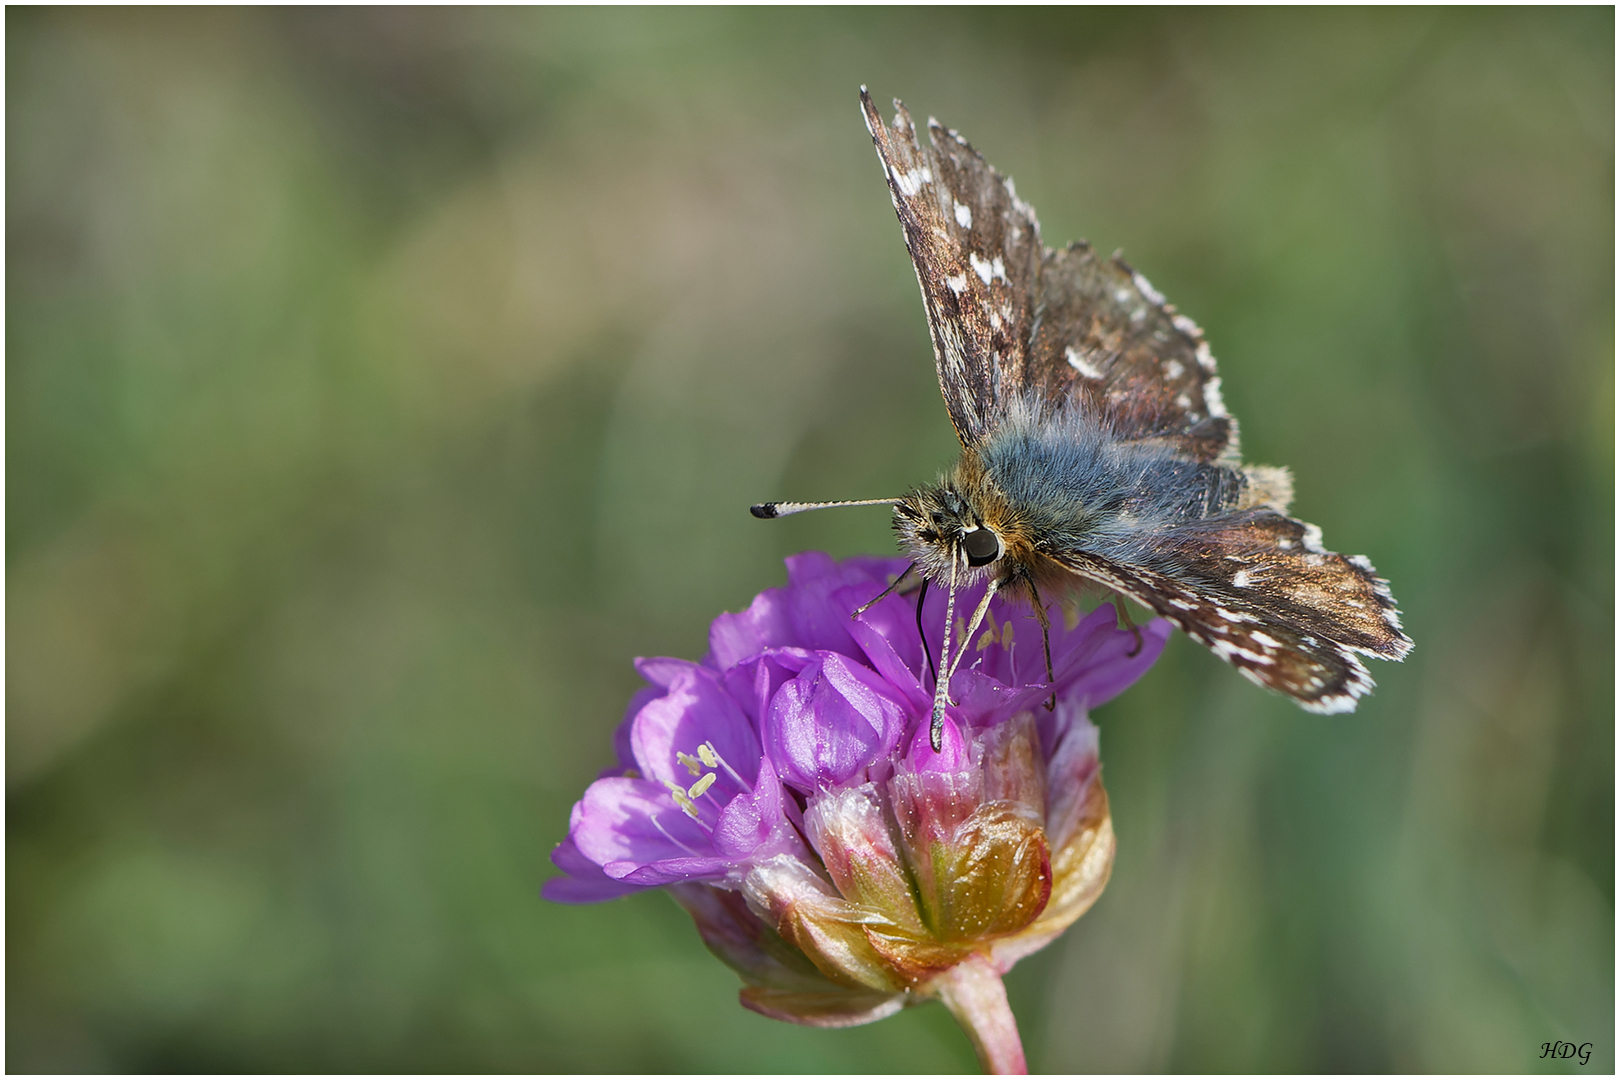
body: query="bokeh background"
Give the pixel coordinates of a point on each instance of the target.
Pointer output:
(380, 382)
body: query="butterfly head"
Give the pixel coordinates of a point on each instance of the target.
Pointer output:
(946, 529)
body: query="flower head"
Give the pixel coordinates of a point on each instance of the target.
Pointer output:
(785, 791)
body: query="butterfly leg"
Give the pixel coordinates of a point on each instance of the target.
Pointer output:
(897, 583)
(936, 726)
(1046, 636)
(973, 628)
(1125, 617)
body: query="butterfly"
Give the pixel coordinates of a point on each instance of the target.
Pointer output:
(1096, 448)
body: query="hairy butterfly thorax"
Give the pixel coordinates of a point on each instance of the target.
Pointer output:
(1097, 449)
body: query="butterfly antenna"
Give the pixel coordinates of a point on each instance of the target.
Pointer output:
(897, 582)
(783, 509)
(936, 727)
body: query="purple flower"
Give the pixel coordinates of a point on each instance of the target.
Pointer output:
(785, 791)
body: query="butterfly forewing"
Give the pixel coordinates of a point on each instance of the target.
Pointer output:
(1008, 317)
(1104, 333)
(977, 252)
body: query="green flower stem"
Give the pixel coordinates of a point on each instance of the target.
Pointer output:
(973, 992)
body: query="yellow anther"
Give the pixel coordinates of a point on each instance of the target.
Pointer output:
(706, 752)
(1006, 634)
(692, 764)
(989, 637)
(682, 800)
(701, 786)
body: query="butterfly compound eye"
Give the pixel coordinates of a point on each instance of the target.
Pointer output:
(982, 546)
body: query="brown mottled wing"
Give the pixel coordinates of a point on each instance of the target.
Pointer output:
(1102, 332)
(977, 252)
(1260, 592)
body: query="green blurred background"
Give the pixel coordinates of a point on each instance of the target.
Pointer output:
(381, 381)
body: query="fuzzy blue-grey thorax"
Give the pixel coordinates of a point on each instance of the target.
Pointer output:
(1079, 487)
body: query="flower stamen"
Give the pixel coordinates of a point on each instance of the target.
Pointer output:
(711, 757)
(659, 825)
(991, 635)
(683, 800)
(686, 797)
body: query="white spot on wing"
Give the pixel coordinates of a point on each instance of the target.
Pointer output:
(1227, 649)
(957, 283)
(1184, 401)
(1147, 288)
(911, 181)
(1206, 359)
(981, 267)
(1080, 364)
(964, 215)
(1172, 367)
(1241, 579)
(1186, 326)
(1261, 638)
(1313, 538)
(1212, 397)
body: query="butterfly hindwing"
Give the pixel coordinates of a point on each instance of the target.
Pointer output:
(1261, 593)
(1276, 565)
(977, 251)
(1322, 675)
